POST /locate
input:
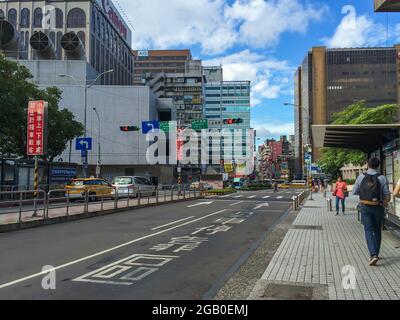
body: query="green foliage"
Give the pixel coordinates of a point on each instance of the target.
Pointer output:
(333, 159)
(16, 90)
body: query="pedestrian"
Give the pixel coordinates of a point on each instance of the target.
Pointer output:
(340, 192)
(374, 193)
(276, 189)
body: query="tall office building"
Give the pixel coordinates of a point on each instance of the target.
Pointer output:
(91, 30)
(185, 89)
(227, 106)
(149, 63)
(329, 80)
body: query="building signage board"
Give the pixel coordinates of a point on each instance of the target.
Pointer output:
(116, 19)
(37, 128)
(143, 53)
(168, 126)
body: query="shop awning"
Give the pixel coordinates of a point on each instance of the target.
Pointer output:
(364, 137)
(387, 5)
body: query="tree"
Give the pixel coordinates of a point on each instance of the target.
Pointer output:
(16, 90)
(333, 159)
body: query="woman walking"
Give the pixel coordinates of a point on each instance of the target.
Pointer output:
(340, 192)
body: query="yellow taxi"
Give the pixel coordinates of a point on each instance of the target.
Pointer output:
(95, 188)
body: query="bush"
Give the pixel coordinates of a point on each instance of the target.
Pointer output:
(257, 187)
(222, 191)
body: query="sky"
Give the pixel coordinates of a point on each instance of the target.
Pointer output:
(259, 40)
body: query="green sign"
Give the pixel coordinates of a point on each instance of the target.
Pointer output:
(168, 126)
(199, 124)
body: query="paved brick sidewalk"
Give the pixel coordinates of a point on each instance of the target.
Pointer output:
(318, 247)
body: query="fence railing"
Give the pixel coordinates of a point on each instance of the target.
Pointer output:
(25, 205)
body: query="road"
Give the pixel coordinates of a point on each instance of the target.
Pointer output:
(176, 251)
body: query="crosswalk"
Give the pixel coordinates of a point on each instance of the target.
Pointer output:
(255, 196)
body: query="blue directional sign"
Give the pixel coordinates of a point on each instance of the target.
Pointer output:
(83, 144)
(148, 126)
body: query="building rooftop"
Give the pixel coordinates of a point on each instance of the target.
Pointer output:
(387, 5)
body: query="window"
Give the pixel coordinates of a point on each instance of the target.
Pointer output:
(59, 49)
(76, 18)
(59, 18)
(1, 14)
(25, 18)
(37, 18)
(12, 17)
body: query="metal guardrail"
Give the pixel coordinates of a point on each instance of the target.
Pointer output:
(98, 199)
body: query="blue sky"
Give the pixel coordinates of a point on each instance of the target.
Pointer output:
(258, 40)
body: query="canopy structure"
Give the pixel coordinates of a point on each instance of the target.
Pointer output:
(364, 137)
(387, 6)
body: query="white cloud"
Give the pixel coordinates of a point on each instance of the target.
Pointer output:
(263, 22)
(216, 25)
(356, 31)
(269, 77)
(270, 130)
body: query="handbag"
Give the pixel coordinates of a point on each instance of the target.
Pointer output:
(346, 194)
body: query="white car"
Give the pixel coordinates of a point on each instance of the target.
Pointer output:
(133, 185)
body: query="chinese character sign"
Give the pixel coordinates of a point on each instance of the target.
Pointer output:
(37, 128)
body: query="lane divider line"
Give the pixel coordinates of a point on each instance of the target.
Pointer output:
(171, 223)
(63, 266)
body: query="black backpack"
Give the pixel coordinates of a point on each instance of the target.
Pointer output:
(370, 189)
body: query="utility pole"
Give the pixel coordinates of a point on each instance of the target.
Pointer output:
(98, 168)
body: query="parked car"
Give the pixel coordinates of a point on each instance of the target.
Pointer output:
(95, 188)
(133, 185)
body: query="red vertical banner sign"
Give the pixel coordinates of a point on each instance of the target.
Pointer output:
(36, 143)
(180, 141)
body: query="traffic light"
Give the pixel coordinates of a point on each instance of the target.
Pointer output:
(233, 121)
(129, 128)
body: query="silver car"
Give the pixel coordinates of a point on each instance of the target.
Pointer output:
(133, 185)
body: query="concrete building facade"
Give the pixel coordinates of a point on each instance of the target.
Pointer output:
(122, 153)
(329, 80)
(95, 29)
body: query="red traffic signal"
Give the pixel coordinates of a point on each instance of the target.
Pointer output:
(129, 128)
(233, 121)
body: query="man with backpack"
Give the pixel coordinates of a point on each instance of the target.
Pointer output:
(373, 190)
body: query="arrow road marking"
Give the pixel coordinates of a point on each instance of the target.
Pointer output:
(97, 254)
(261, 206)
(200, 204)
(171, 223)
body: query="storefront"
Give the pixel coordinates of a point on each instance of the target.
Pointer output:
(381, 141)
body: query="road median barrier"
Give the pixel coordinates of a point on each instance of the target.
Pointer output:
(78, 203)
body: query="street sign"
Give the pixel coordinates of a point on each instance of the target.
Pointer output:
(199, 124)
(36, 143)
(148, 126)
(168, 126)
(83, 144)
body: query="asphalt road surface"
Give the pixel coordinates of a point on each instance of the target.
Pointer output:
(176, 251)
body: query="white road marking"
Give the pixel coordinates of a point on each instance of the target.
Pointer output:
(9, 284)
(251, 197)
(201, 204)
(280, 197)
(238, 197)
(171, 223)
(226, 196)
(236, 203)
(261, 206)
(266, 197)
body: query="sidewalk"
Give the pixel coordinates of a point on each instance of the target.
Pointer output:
(309, 262)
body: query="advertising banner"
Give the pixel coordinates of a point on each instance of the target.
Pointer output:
(37, 128)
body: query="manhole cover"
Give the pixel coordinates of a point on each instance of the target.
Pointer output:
(308, 227)
(288, 292)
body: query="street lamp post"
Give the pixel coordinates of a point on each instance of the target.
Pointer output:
(86, 87)
(309, 150)
(98, 168)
